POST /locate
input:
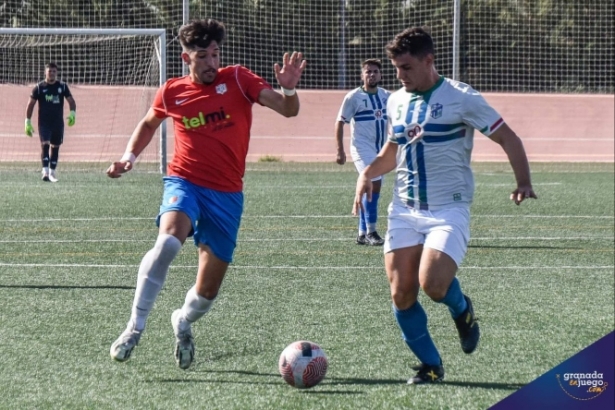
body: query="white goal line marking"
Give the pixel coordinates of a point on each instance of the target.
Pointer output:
(78, 265)
(300, 217)
(153, 239)
(351, 188)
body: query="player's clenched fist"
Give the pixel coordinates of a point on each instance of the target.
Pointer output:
(29, 128)
(118, 168)
(123, 165)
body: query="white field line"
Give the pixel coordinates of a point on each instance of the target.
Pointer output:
(152, 239)
(509, 184)
(80, 265)
(350, 188)
(302, 217)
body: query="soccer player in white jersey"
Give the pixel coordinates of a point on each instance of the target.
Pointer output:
(365, 109)
(430, 135)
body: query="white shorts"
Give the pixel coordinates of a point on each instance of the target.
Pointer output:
(361, 165)
(446, 230)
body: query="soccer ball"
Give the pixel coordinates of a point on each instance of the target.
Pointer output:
(303, 364)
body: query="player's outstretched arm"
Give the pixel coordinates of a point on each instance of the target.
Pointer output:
(385, 162)
(141, 137)
(288, 76)
(513, 147)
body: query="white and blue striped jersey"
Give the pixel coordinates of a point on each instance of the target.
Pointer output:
(367, 115)
(434, 171)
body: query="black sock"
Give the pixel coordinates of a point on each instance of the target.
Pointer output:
(45, 155)
(55, 152)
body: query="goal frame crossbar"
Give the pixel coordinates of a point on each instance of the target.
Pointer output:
(120, 32)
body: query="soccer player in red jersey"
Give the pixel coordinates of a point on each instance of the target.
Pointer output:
(211, 110)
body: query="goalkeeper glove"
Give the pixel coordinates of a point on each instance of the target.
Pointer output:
(29, 128)
(71, 118)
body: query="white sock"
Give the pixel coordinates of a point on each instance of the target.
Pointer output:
(371, 228)
(152, 273)
(195, 305)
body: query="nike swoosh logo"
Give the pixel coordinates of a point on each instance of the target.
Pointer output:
(180, 102)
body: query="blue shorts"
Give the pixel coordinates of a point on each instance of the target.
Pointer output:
(215, 215)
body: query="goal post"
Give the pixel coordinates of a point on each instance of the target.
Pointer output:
(112, 74)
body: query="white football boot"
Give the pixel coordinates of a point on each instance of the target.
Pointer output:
(123, 346)
(184, 342)
(52, 175)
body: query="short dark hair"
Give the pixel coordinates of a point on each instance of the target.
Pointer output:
(200, 33)
(51, 65)
(372, 61)
(415, 41)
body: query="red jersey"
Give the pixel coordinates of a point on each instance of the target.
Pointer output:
(212, 126)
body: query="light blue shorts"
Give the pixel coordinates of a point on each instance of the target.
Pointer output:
(215, 215)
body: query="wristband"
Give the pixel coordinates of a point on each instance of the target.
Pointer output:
(288, 92)
(28, 121)
(128, 157)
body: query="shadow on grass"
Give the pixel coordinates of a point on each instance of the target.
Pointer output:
(485, 385)
(479, 385)
(277, 382)
(65, 287)
(522, 247)
(332, 381)
(328, 380)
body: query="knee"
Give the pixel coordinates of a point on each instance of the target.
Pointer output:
(207, 291)
(434, 290)
(403, 299)
(167, 247)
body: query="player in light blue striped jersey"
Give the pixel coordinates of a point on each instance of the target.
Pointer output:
(430, 137)
(365, 109)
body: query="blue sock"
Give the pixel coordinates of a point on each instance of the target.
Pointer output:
(413, 324)
(363, 219)
(372, 212)
(454, 299)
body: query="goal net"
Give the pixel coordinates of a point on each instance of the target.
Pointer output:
(550, 46)
(547, 46)
(335, 36)
(112, 75)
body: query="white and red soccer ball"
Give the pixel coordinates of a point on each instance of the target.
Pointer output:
(303, 364)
